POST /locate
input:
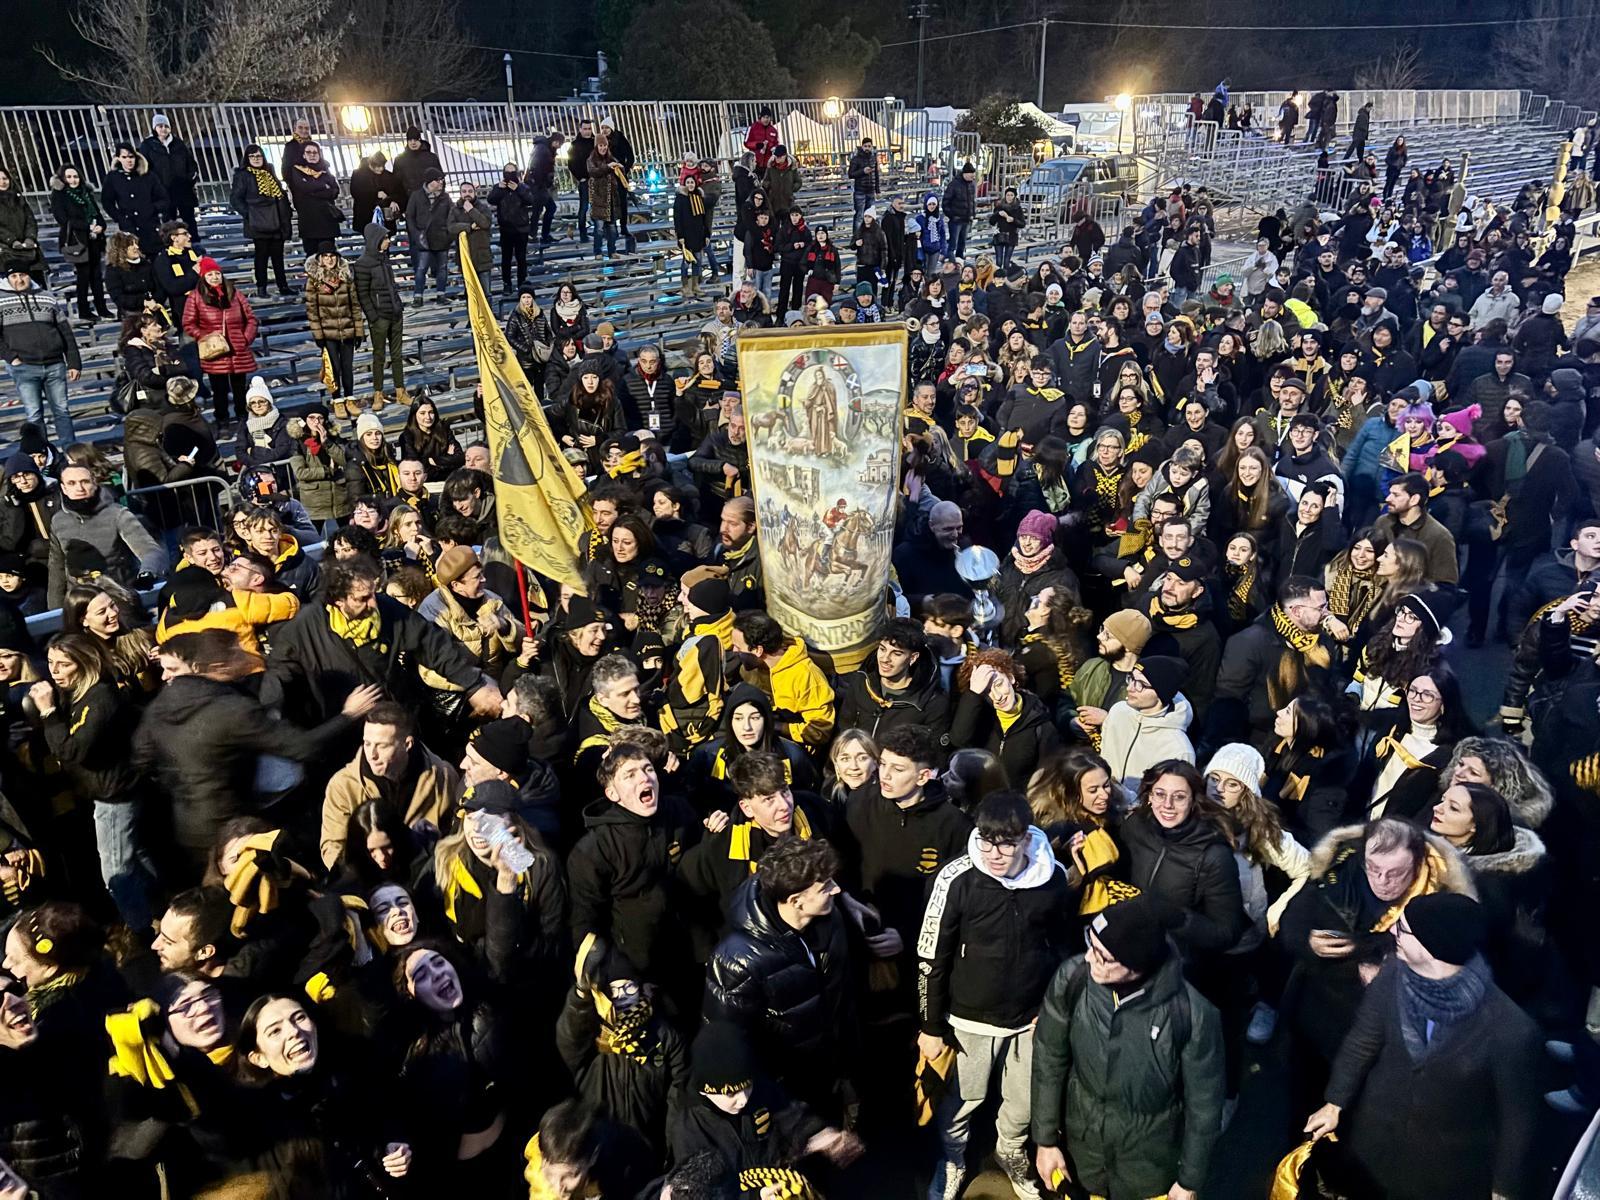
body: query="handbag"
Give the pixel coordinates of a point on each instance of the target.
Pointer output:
(125, 396)
(214, 346)
(74, 250)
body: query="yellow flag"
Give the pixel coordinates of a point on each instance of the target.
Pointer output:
(544, 519)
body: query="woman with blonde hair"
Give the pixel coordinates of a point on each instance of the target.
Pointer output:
(852, 763)
(89, 727)
(1268, 344)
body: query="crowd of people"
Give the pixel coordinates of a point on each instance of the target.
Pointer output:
(363, 862)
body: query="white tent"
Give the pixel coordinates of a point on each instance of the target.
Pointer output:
(802, 135)
(1053, 126)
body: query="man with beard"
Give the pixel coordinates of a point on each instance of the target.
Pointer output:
(738, 553)
(87, 516)
(1180, 617)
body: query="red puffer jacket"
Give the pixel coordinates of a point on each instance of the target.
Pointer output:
(235, 320)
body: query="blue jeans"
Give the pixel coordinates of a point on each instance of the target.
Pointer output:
(33, 381)
(125, 865)
(863, 200)
(608, 229)
(958, 237)
(437, 261)
(583, 208)
(763, 282)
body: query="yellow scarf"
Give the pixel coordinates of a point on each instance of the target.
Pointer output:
(1172, 620)
(360, 632)
(137, 1057)
(266, 183)
(1308, 645)
(739, 837)
(1389, 744)
(461, 880)
(630, 463)
(251, 889)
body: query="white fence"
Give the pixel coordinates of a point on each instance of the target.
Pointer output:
(473, 140)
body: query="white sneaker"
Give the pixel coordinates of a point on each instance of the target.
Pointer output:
(947, 1180)
(1263, 1021)
(1015, 1165)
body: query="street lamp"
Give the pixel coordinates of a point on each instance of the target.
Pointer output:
(831, 108)
(356, 118)
(1123, 101)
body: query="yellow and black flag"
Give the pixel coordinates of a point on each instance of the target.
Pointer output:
(544, 519)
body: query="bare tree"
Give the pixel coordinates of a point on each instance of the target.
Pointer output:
(170, 51)
(1556, 53)
(409, 49)
(1400, 69)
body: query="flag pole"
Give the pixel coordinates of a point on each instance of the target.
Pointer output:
(522, 590)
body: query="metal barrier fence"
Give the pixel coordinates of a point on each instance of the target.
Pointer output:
(205, 501)
(473, 140)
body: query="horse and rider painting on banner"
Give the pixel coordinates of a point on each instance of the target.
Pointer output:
(821, 406)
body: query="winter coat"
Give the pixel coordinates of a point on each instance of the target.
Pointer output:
(636, 1089)
(782, 183)
(608, 195)
(1252, 668)
(312, 670)
(788, 988)
(960, 202)
(1514, 888)
(233, 318)
(153, 441)
(207, 789)
(1323, 994)
(865, 704)
(691, 220)
(273, 445)
(173, 165)
(75, 212)
(1006, 232)
(428, 220)
(988, 948)
(1031, 738)
(514, 205)
(411, 166)
(19, 231)
(542, 168)
(491, 651)
(872, 248)
(624, 879)
(477, 222)
(863, 170)
(531, 339)
(429, 790)
(131, 285)
(133, 199)
(112, 530)
(331, 305)
(822, 262)
(1464, 1113)
(376, 288)
(1132, 741)
(315, 194)
(1192, 869)
(374, 191)
(87, 736)
(265, 217)
(321, 479)
(891, 851)
(1137, 1106)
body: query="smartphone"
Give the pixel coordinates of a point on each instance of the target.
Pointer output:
(976, 369)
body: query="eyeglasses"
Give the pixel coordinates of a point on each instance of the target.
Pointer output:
(1422, 694)
(1007, 845)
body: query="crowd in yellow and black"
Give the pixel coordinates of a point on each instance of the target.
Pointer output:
(339, 857)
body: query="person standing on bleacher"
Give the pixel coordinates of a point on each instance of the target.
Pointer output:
(516, 207)
(259, 198)
(411, 165)
(335, 317)
(428, 226)
(470, 214)
(40, 351)
(172, 162)
(379, 294)
(315, 192)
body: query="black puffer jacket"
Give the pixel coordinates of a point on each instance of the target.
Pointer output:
(787, 987)
(1191, 868)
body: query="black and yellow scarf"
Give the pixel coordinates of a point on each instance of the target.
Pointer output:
(1178, 620)
(1243, 581)
(1351, 595)
(1066, 664)
(1308, 645)
(739, 838)
(266, 183)
(359, 632)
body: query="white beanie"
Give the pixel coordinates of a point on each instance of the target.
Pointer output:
(367, 422)
(1240, 761)
(1554, 302)
(258, 387)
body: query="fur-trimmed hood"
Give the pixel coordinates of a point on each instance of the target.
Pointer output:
(1527, 853)
(141, 165)
(1531, 799)
(317, 273)
(1457, 877)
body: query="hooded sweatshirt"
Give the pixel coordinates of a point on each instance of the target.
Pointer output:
(1132, 740)
(989, 944)
(376, 289)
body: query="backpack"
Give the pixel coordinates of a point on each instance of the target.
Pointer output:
(1078, 983)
